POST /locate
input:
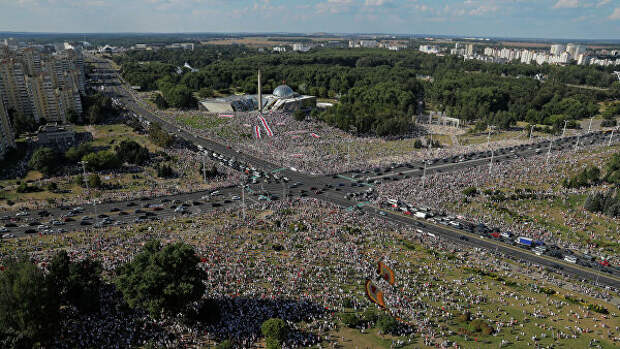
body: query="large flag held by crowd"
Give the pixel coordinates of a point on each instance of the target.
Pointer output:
(386, 272)
(374, 294)
(257, 132)
(266, 126)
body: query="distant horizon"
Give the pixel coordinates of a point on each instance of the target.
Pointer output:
(534, 19)
(335, 34)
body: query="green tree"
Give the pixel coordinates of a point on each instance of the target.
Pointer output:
(75, 154)
(24, 123)
(132, 152)
(76, 283)
(94, 181)
(160, 102)
(275, 328)
(73, 117)
(45, 160)
(162, 280)
(224, 345)
(159, 136)
(29, 307)
(102, 160)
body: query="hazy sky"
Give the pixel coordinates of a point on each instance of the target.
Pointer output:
(591, 19)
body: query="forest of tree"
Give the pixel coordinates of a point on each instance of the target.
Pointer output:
(380, 90)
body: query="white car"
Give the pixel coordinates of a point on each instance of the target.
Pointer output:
(235, 197)
(21, 214)
(4, 230)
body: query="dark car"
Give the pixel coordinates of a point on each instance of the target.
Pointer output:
(103, 216)
(30, 231)
(139, 212)
(131, 204)
(123, 213)
(115, 209)
(10, 225)
(85, 223)
(44, 214)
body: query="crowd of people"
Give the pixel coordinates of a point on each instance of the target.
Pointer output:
(333, 151)
(304, 262)
(447, 192)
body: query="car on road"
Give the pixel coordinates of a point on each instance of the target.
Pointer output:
(30, 231)
(131, 204)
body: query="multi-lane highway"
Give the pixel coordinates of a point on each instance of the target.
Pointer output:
(333, 189)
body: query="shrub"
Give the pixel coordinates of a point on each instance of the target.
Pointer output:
(350, 320)
(387, 324)
(369, 315)
(274, 328)
(227, 344)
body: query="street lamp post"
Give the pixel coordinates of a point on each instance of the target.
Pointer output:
(549, 151)
(83, 163)
(424, 174)
(564, 129)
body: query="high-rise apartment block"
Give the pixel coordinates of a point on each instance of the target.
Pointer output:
(7, 138)
(42, 86)
(557, 49)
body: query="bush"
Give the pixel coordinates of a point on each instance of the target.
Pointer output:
(350, 320)
(164, 171)
(347, 303)
(159, 136)
(227, 344)
(471, 191)
(465, 317)
(274, 328)
(272, 343)
(387, 324)
(94, 181)
(369, 315)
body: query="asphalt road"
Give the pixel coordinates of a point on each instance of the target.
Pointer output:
(335, 194)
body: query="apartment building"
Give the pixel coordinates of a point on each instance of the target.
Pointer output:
(7, 137)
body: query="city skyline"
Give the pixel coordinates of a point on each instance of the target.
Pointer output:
(578, 19)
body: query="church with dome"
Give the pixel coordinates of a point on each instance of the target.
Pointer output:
(283, 98)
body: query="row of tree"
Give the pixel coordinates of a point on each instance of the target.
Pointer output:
(380, 90)
(162, 280)
(49, 161)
